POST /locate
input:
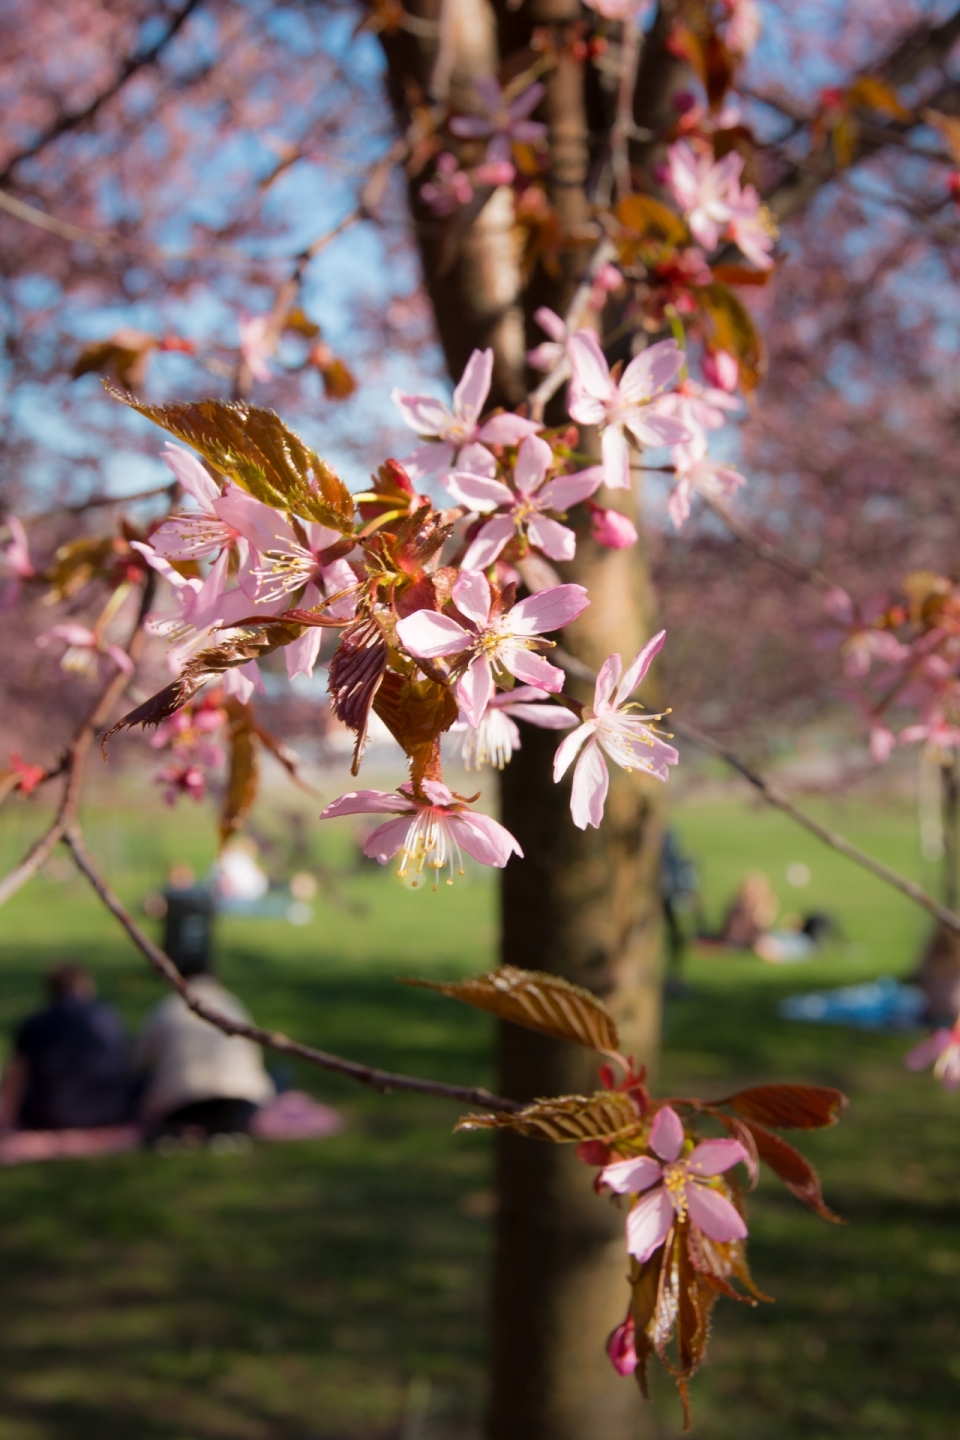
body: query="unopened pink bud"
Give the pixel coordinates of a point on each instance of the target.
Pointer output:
(621, 1348)
(721, 369)
(611, 528)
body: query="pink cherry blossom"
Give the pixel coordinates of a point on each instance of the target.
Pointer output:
(611, 528)
(699, 407)
(626, 738)
(15, 559)
(942, 1051)
(506, 640)
(521, 513)
(548, 355)
(501, 122)
(677, 1188)
(635, 404)
(750, 226)
(702, 189)
(429, 832)
(935, 731)
(621, 1348)
(454, 431)
(255, 345)
(450, 187)
(494, 740)
(182, 779)
(209, 531)
(862, 644)
(696, 472)
(84, 649)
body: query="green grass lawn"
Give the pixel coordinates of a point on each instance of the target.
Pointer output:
(336, 1289)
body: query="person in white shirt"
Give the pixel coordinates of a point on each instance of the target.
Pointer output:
(197, 1081)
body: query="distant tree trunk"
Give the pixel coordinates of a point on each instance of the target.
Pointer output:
(939, 973)
(583, 905)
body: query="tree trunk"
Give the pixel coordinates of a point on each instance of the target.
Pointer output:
(939, 972)
(583, 905)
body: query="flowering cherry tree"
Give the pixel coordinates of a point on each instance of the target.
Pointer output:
(590, 174)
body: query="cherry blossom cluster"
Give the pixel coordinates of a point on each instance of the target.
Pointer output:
(903, 659)
(193, 751)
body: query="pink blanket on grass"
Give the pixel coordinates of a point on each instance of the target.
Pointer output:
(294, 1115)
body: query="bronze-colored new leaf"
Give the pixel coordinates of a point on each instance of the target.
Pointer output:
(356, 674)
(607, 1115)
(244, 776)
(254, 448)
(416, 712)
(789, 1107)
(248, 643)
(546, 1003)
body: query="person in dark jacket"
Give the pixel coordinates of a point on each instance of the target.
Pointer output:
(71, 1065)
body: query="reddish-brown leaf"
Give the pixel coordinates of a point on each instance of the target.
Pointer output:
(794, 1169)
(356, 673)
(789, 1107)
(416, 712)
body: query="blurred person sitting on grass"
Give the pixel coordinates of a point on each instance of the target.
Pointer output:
(70, 1068)
(197, 1081)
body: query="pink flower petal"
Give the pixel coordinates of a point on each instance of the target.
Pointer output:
(650, 371)
(550, 321)
(590, 368)
(631, 1177)
(367, 802)
(616, 458)
(423, 413)
(474, 386)
(429, 635)
(548, 610)
(555, 540)
(475, 459)
(714, 1214)
(476, 492)
(637, 669)
(607, 678)
(548, 717)
(471, 595)
(567, 750)
(384, 842)
(621, 1348)
(591, 781)
(265, 528)
(648, 428)
(568, 490)
(191, 474)
(928, 1050)
(120, 658)
(648, 1224)
(507, 429)
(712, 1157)
(666, 1134)
(475, 689)
(485, 839)
(534, 459)
(533, 670)
(488, 542)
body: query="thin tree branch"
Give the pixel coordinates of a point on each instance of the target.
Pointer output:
(551, 382)
(775, 797)
(384, 1080)
(73, 760)
(837, 842)
(71, 119)
(31, 215)
(809, 574)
